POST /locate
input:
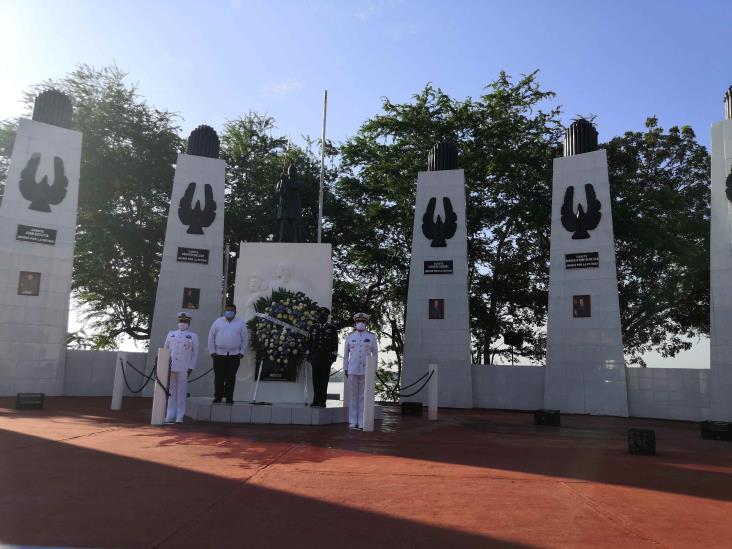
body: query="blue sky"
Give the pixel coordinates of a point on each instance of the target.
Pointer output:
(211, 61)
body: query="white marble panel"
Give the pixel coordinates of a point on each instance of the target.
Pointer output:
(33, 328)
(265, 266)
(175, 275)
(585, 368)
(721, 274)
(444, 341)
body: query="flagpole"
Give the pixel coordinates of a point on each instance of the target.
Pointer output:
(322, 169)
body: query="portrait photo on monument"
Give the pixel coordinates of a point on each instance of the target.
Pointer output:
(29, 283)
(581, 306)
(191, 298)
(436, 309)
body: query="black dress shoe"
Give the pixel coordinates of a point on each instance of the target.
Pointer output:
(229, 401)
(217, 401)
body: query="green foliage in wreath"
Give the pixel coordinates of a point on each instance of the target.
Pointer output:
(277, 344)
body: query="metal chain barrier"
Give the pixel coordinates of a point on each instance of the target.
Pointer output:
(418, 390)
(153, 374)
(202, 375)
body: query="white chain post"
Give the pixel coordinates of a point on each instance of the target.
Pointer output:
(432, 393)
(160, 398)
(118, 389)
(368, 394)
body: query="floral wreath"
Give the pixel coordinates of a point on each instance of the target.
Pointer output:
(279, 332)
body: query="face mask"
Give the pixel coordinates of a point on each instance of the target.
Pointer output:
(230, 314)
(182, 326)
(360, 326)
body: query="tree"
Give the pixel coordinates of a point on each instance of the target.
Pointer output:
(660, 187)
(506, 143)
(127, 166)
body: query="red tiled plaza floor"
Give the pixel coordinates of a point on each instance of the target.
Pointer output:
(78, 475)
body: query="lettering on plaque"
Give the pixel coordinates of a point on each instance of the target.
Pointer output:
(581, 306)
(438, 267)
(193, 255)
(582, 260)
(40, 235)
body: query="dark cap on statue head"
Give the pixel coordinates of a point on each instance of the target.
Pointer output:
(203, 141)
(443, 156)
(728, 104)
(580, 137)
(53, 107)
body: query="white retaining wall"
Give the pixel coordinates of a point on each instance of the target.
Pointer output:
(91, 373)
(508, 387)
(669, 393)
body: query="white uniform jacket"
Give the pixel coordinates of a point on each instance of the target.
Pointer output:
(358, 347)
(228, 337)
(183, 347)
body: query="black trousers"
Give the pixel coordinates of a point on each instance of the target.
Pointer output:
(321, 376)
(225, 368)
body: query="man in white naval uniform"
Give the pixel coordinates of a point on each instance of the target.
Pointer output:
(358, 347)
(183, 345)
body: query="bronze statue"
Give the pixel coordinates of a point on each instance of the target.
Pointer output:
(288, 190)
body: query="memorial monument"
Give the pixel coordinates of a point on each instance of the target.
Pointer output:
(191, 269)
(281, 285)
(37, 235)
(585, 371)
(438, 319)
(721, 266)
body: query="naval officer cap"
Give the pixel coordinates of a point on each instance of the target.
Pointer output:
(325, 310)
(184, 317)
(361, 316)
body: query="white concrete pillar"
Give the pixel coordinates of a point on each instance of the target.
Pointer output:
(585, 371)
(160, 398)
(438, 315)
(721, 270)
(192, 264)
(118, 388)
(37, 236)
(368, 394)
(432, 393)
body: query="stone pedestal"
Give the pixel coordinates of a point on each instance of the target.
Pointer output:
(191, 271)
(721, 273)
(585, 367)
(37, 255)
(266, 266)
(438, 320)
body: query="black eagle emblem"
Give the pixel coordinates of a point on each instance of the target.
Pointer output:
(582, 221)
(42, 195)
(438, 231)
(728, 185)
(193, 216)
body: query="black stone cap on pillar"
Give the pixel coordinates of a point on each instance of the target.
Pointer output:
(443, 156)
(580, 137)
(203, 141)
(53, 107)
(728, 104)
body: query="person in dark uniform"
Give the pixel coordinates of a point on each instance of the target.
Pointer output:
(322, 352)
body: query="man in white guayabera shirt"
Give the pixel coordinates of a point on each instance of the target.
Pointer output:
(359, 346)
(227, 343)
(183, 345)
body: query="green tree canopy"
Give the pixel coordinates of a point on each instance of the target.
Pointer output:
(660, 185)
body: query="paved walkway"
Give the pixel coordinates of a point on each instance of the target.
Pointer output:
(79, 475)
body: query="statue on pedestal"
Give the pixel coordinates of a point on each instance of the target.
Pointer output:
(288, 215)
